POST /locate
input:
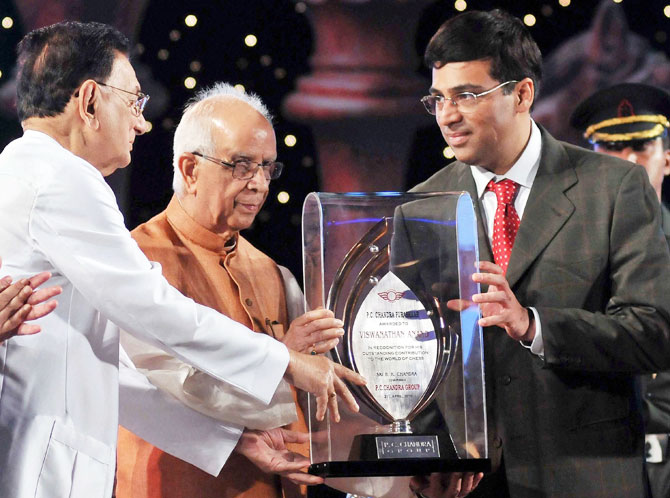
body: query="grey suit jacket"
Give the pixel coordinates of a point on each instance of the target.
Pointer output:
(591, 258)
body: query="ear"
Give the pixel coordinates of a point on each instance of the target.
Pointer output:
(525, 94)
(666, 166)
(88, 98)
(188, 167)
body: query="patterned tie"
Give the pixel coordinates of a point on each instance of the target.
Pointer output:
(506, 221)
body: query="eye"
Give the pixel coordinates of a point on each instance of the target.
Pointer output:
(465, 97)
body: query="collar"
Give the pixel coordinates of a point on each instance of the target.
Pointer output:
(523, 171)
(196, 233)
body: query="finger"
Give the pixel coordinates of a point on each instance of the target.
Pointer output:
(41, 309)
(5, 282)
(490, 279)
(312, 315)
(316, 326)
(324, 347)
(41, 295)
(452, 483)
(295, 436)
(36, 280)
(344, 373)
(14, 290)
(343, 391)
(321, 405)
(490, 267)
(334, 409)
(477, 479)
(491, 297)
(492, 320)
(304, 478)
(326, 334)
(28, 329)
(466, 484)
(16, 319)
(458, 304)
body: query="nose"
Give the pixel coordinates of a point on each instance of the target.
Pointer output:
(258, 182)
(141, 125)
(447, 114)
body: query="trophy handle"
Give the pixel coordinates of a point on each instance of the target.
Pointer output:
(372, 236)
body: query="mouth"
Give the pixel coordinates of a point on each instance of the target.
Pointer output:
(457, 139)
(252, 207)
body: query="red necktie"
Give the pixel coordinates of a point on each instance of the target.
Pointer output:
(506, 221)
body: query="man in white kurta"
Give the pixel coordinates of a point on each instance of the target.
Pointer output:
(59, 389)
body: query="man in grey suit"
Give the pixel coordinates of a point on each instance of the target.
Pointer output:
(576, 302)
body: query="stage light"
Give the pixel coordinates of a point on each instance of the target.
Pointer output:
(563, 3)
(163, 54)
(190, 82)
(460, 5)
(0, 74)
(666, 10)
(300, 7)
(617, 1)
(7, 22)
(195, 66)
(240, 87)
(265, 60)
(547, 11)
(529, 20)
(175, 35)
(307, 162)
(250, 40)
(283, 197)
(190, 20)
(149, 127)
(290, 140)
(448, 153)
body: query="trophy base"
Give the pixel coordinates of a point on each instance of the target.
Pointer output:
(399, 454)
(398, 467)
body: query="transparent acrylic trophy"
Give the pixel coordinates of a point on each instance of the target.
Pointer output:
(388, 264)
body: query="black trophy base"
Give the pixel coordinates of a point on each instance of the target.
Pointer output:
(400, 455)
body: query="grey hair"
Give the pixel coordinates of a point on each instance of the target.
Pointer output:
(194, 132)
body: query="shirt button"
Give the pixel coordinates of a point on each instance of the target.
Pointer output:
(248, 302)
(506, 380)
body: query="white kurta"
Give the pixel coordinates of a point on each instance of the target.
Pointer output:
(59, 389)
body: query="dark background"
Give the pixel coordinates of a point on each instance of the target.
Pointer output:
(270, 69)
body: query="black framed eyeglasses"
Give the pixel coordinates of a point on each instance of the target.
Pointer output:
(137, 106)
(464, 102)
(244, 169)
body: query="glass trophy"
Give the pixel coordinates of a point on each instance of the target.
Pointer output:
(396, 268)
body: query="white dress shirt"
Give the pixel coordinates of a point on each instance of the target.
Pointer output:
(59, 389)
(522, 172)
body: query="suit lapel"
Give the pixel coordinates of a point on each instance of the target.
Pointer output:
(457, 177)
(547, 210)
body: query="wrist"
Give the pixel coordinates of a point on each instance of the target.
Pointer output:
(530, 331)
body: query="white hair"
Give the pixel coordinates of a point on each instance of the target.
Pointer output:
(194, 132)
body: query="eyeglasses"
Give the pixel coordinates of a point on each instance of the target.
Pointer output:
(243, 169)
(464, 102)
(137, 106)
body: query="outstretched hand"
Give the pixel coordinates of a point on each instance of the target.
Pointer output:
(318, 375)
(267, 451)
